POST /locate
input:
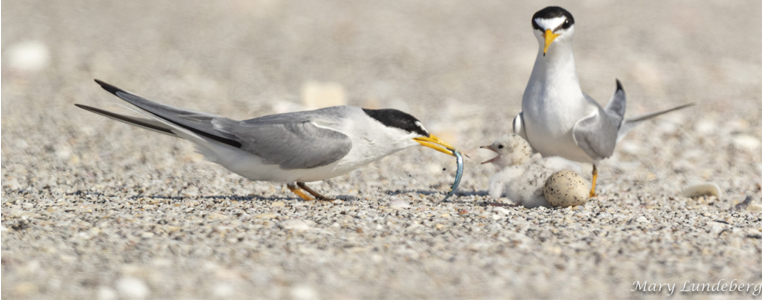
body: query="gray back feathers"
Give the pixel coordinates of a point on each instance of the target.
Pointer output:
(292, 140)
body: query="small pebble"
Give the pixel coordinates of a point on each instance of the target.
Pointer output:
(303, 292)
(106, 293)
(294, 224)
(29, 56)
(747, 142)
(754, 207)
(266, 216)
(398, 204)
(132, 288)
(223, 290)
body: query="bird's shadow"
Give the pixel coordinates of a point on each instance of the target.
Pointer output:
(452, 199)
(181, 198)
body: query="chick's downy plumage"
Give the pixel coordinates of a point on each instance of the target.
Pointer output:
(522, 176)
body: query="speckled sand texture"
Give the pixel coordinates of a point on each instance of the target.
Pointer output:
(95, 209)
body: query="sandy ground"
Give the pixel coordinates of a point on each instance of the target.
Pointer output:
(93, 208)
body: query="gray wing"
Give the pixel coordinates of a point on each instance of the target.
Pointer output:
(618, 103)
(292, 140)
(617, 106)
(597, 133)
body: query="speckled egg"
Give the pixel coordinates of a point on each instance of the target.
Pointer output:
(566, 188)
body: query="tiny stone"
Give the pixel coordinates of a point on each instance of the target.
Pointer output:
(399, 204)
(294, 224)
(132, 288)
(266, 216)
(303, 292)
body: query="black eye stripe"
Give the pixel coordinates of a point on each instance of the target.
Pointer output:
(565, 25)
(398, 119)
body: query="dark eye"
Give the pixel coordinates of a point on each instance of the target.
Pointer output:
(567, 24)
(535, 26)
(500, 146)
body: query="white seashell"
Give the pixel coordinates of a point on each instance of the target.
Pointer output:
(566, 188)
(703, 189)
(294, 224)
(747, 142)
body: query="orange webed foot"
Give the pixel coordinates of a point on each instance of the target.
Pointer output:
(317, 195)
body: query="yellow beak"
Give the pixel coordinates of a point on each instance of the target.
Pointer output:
(549, 37)
(435, 143)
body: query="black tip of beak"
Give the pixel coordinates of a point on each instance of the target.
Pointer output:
(543, 54)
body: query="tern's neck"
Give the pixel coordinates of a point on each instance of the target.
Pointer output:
(555, 72)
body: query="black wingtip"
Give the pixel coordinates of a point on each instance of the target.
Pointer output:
(109, 88)
(619, 85)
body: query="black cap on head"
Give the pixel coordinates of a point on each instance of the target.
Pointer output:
(551, 12)
(396, 118)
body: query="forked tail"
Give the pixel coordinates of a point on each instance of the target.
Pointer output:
(629, 124)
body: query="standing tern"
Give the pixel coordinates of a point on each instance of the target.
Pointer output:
(557, 118)
(293, 148)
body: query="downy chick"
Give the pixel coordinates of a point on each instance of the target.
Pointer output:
(522, 175)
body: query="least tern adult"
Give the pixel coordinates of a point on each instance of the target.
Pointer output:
(293, 148)
(557, 118)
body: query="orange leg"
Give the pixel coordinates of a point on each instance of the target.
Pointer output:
(298, 192)
(317, 195)
(595, 178)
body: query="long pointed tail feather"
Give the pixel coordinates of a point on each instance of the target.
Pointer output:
(135, 121)
(658, 113)
(629, 124)
(197, 123)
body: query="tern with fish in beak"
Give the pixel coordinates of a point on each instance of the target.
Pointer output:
(292, 148)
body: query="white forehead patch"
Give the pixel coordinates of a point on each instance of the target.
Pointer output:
(421, 125)
(551, 24)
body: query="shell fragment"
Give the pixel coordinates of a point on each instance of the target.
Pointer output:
(703, 189)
